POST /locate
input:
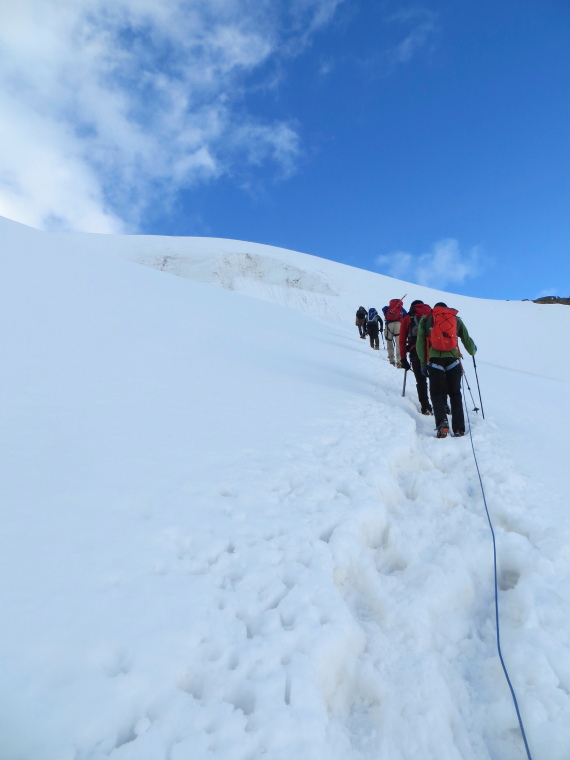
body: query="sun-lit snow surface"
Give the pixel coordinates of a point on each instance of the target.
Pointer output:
(226, 534)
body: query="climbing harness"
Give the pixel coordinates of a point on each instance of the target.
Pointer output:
(529, 756)
(453, 365)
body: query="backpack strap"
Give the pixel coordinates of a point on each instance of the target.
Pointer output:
(429, 325)
(411, 339)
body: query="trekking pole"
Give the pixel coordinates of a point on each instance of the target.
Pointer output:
(475, 407)
(478, 388)
(404, 388)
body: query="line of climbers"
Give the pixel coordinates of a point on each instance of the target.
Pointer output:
(369, 323)
(429, 336)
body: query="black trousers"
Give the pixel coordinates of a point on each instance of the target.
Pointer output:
(374, 333)
(444, 382)
(361, 327)
(421, 381)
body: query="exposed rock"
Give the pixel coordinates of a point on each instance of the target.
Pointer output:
(550, 299)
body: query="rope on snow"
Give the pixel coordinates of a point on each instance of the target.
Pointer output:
(529, 756)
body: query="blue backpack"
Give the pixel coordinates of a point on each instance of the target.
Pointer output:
(371, 314)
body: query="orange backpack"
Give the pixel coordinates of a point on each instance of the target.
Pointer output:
(443, 332)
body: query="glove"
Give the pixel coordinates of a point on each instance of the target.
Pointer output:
(405, 363)
(424, 370)
(474, 352)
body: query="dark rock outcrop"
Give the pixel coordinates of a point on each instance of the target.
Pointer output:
(550, 299)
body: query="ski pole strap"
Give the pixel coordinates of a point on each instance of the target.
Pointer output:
(444, 369)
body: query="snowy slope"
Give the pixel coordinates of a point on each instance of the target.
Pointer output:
(226, 534)
(514, 339)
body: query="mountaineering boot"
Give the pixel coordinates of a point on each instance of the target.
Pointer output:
(427, 410)
(392, 362)
(458, 433)
(443, 428)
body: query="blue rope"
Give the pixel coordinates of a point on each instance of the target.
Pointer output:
(529, 756)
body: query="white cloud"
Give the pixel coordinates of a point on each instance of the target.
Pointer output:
(444, 265)
(104, 99)
(44, 179)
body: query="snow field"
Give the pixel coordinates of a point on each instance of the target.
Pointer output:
(333, 616)
(228, 535)
(410, 641)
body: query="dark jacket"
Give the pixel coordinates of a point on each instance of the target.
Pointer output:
(406, 340)
(374, 325)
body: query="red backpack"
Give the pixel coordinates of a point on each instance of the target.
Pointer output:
(420, 310)
(443, 332)
(394, 310)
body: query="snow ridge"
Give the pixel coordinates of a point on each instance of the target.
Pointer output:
(258, 276)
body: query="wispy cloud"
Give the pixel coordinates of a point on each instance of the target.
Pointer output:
(422, 29)
(554, 291)
(103, 101)
(445, 264)
(408, 34)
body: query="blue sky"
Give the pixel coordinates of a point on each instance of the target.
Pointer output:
(425, 140)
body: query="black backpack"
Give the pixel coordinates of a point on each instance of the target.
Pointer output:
(423, 310)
